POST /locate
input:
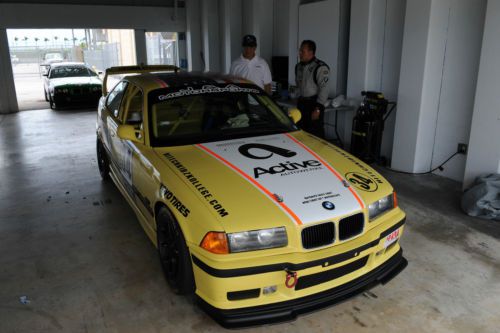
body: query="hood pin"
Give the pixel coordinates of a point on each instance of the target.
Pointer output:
(346, 184)
(278, 197)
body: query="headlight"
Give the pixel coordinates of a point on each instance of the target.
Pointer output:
(381, 206)
(222, 243)
(96, 88)
(62, 90)
(257, 239)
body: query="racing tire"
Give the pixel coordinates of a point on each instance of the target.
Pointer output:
(102, 160)
(174, 254)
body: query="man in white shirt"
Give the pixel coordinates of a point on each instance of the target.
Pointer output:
(252, 67)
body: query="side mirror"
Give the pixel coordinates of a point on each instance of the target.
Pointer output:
(295, 115)
(128, 132)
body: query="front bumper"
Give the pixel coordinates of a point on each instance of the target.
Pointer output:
(289, 310)
(86, 98)
(325, 277)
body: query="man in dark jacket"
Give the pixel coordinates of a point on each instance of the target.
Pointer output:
(311, 77)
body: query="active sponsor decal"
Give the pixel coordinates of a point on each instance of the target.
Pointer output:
(202, 190)
(288, 168)
(208, 89)
(284, 166)
(361, 181)
(174, 201)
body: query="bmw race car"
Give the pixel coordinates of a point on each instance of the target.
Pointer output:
(261, 220)
(71, 83)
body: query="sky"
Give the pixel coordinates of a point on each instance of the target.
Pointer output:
(42, 34)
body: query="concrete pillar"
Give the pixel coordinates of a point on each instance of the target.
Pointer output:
(8, 100)
(193, 35)
(230, 14)
(293, 39)
(140, 46)
(484, 149)
(210, 35)
(441, 49)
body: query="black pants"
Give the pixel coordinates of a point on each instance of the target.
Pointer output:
(307, 105)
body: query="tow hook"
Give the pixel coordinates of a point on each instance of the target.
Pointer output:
(291, 278)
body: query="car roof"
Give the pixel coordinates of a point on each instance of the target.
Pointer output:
(68, 63)
(151, 81)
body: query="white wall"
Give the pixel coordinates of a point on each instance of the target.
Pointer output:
(320, 22)
(459, 78)
(193, 35)
(484, 144)
(210, 35)
(280, 28)
(437, 83)
(375, 47)
(230, 13)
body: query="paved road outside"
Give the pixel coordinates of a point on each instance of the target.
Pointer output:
(29, 87)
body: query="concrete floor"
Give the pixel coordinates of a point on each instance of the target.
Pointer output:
(72, 245)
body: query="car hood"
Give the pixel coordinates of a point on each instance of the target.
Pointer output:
(284, 179)
(77, 80)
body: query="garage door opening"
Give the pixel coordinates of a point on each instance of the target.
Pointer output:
(32, 49)
(162, 48)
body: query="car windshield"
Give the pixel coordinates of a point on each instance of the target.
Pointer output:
(70, 71)
(211, 113)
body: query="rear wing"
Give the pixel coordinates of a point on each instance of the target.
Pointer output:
(135, 69)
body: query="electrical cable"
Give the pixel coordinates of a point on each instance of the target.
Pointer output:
(440, 167)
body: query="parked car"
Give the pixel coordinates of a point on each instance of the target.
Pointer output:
(72, 83)
(259, 219)
(14, 59)
(52, 57)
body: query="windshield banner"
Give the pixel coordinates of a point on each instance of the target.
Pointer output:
(208, 89)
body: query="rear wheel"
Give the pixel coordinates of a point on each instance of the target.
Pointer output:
(102, 161)
(174, 254)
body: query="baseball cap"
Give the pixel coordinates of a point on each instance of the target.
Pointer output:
(249, 40)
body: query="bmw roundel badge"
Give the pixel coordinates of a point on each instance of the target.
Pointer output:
(328, 205)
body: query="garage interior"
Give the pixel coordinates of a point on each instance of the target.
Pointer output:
(73, 255)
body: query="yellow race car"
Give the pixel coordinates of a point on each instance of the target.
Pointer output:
(262, 221)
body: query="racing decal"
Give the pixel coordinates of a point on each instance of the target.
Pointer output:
(174, 201)
(361, 181)
(208, 89)
(363, 167)
(202, 190)
(245, 151)
(282, 167)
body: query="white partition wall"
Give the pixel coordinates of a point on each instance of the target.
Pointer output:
(484, 144)
(441, 49)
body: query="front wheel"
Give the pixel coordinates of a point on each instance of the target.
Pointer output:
(174, 254)
(102, 161)
(52, 103)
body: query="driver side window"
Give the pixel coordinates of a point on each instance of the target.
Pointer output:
(115, 98)
(133, 106)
